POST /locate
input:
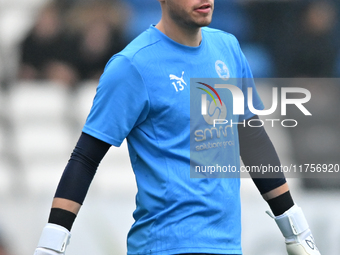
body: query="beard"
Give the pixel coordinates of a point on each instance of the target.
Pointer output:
(185, 19)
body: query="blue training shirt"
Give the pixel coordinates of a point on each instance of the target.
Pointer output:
(144, 96)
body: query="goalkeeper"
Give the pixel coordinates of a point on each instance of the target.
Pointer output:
(143, 96)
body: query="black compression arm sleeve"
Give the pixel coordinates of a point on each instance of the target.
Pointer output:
(81, 168)
(256, 149)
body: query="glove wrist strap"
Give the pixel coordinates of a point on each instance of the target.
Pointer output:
(54, 237)
(292, 222)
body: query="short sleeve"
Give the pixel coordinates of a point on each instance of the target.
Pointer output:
(121, 102)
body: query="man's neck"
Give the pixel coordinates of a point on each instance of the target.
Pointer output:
(188, 37)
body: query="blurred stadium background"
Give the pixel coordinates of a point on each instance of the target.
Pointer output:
(41, 115)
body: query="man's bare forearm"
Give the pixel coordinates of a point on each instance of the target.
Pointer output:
(276, 192)
(66, 204)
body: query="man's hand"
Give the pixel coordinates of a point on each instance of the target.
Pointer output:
(295, 229)
(53, 240)
(304, 247)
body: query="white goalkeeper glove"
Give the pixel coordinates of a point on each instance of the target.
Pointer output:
(53, 240)
(295, 229)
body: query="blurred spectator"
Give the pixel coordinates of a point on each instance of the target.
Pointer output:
(273, 23)
(299, 34)
(73, 42)
(314, 51)
(45, 50)
(98, 27)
